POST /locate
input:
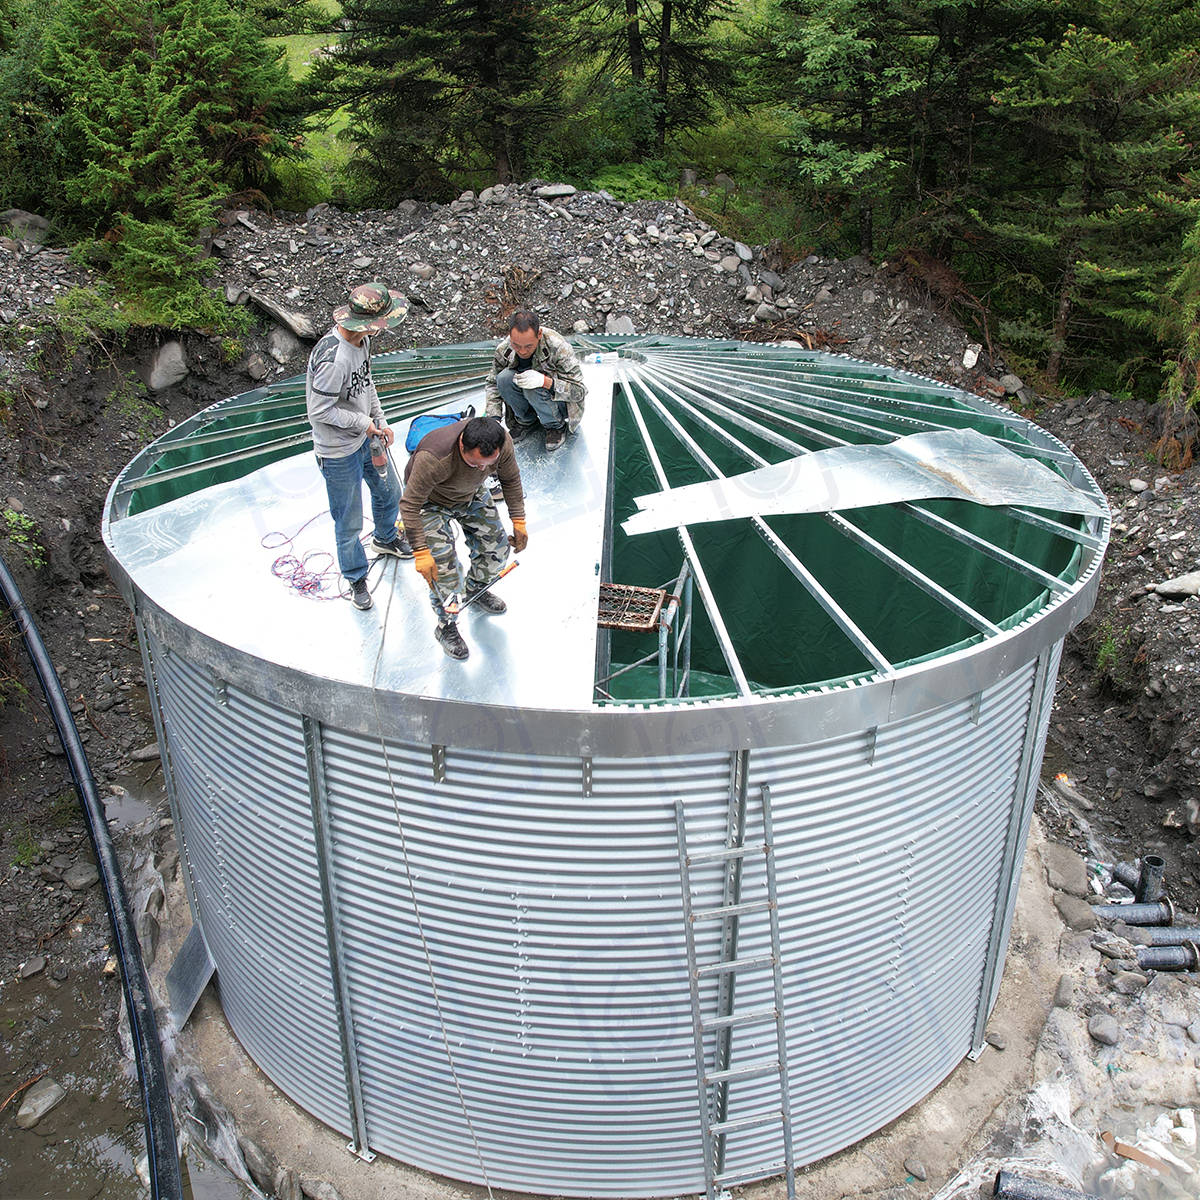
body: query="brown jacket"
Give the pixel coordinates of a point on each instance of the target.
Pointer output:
(437, 474)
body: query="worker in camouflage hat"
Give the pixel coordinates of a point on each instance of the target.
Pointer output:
(346, 416)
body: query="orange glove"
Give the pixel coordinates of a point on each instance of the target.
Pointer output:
(426, 567)
(519, 539)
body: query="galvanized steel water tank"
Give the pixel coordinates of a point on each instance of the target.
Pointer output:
(444, 900)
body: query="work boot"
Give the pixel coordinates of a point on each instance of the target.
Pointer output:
(360, 597)
(398, 547)
(488, 601)
(451, 640)
(519, 431)
(555, 437)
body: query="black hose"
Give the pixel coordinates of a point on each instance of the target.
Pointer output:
(162, 1152)
(1017, 1187)
(1127, 874)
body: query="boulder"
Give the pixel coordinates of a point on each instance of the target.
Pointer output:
(39, 1100)
(26, 225)
(619, 323)
(167, 367)
(283, 345)
(552, 191)
(297, 322)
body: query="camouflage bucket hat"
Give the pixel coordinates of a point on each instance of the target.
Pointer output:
(373, 307)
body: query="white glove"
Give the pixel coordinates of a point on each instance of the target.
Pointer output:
(529, 379)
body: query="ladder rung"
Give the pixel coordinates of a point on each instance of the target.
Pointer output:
(744, 1176)
(724, 853)
(752, 1070)
(750, 1017)
(774, 1118)
(731, 910)
(735, 964)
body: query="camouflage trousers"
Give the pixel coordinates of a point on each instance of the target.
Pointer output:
(487, 541)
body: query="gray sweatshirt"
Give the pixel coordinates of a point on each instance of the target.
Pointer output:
(341, 396)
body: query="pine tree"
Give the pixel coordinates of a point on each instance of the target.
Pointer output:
(1107, 119)
(441, 92)
(162, 106)
(665, 53)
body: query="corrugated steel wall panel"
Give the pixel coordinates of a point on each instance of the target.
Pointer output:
(554, 931)
(247, 835)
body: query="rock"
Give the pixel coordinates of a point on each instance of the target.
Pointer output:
(722, 180)
(1138, 485)
(297, 322)
(1011, 384)
(1065, 870)
(996, 1039)
(766, 313)
(552, 191)
(81, 876)
(26, 225)
(287, 1185)
(283, 345)
(423, 270)
(1193, 1030)
(259, 1163)
(32, 967)
(1103, 1029)
(1129, 983)
(620, 324)
(59, 972)
(319, 1189)
(688, 177)
(257, 367)
(166, 368)
(743, 251)
(1181, 585)
(236, 294)
(971, 355)
(754, 294)
(407, 208)
(38, 1101)
(581, 326)
(868, 296)
(147, 753)
(361, 263)
(1064, 994)
(1075, 912)
(730, 263)
(916, 1168)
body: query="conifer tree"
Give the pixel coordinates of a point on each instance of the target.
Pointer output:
(439, 92)
(1107, 120)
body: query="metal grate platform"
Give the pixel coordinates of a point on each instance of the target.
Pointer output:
(623, 606)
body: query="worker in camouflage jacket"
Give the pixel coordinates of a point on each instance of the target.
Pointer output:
(536, 380)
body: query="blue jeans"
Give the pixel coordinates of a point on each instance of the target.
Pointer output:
(531, 406)
(343, 484)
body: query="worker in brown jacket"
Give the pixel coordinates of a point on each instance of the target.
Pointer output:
(444, 482)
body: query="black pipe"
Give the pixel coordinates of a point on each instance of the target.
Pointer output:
(1127, 874)
(1169, 935)
(1185, 957)
(1017, 1187)
(162, 1151)
(1150, 879)
(1162, 912)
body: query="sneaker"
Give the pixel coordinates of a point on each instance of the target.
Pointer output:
(519, 432)
(360, 597)
(398, 547)
(451, 640)
(488, 601)
(555, 437)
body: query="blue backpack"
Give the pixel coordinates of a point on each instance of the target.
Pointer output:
(428, 422)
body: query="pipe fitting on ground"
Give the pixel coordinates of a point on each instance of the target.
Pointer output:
(1150, 879)
(1162, 912)
(1184, 957)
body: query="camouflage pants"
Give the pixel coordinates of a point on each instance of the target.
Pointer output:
(487, 541)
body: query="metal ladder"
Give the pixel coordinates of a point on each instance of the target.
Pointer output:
(713, 1085)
